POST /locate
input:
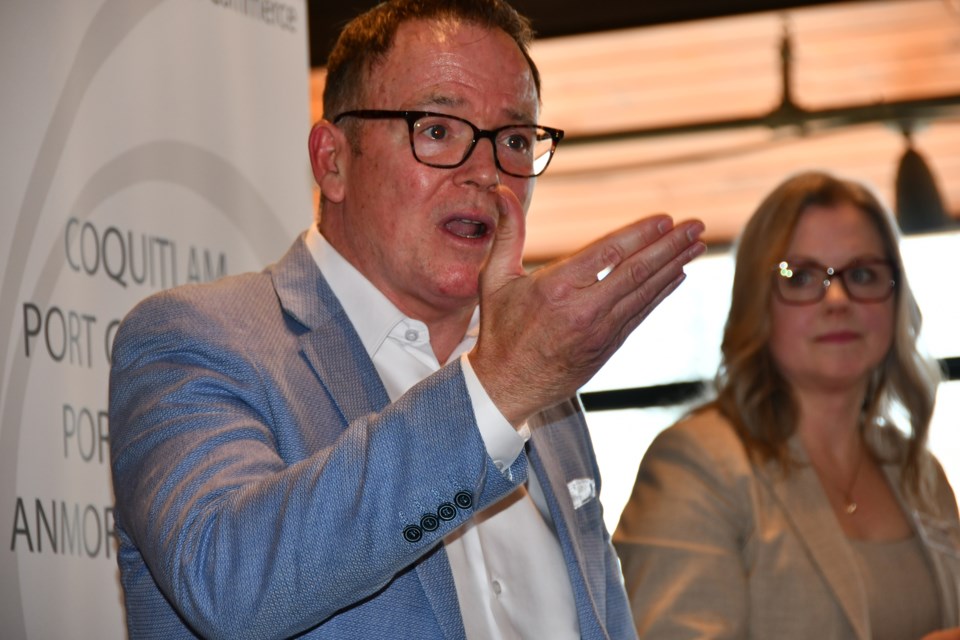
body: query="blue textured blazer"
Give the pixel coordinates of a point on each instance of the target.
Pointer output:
(267, 488)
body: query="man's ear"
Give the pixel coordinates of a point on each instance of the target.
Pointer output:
(329, 154)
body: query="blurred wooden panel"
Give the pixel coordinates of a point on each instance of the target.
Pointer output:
(572, 208)
(878, 51)
(660, 75)
(856, 54)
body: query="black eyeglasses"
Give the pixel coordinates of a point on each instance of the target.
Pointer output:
(806, 282)
(443, 141)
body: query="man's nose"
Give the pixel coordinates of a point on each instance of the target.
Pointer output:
(480, 168)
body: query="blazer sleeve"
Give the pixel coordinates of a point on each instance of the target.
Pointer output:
(258, 511)
(682, 535)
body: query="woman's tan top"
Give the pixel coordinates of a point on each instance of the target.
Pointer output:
(901, 594)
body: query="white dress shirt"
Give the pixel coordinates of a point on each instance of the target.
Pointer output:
(509, 571)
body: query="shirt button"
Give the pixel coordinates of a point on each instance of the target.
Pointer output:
(411, 335)
(496, 587)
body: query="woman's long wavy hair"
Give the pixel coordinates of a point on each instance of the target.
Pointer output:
(751, 392)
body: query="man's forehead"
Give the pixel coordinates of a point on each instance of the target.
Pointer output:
(429, 60)
(448, 37)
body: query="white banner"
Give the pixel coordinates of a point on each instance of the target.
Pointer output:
(146, 144)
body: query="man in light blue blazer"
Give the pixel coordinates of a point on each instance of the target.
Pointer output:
(375, 437)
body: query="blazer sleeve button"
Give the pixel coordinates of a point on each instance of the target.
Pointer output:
(412, 533)
(446, 511)
(463, 499)
(429, 522)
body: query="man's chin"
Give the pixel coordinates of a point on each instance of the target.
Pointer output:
(463, 286)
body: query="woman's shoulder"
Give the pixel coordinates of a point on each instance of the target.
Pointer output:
(706, 425)
(695, 470)
(704, 434)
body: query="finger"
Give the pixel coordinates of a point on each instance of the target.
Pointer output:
(667, 254)
(614, 248)
(608, 253)
(634, 307)
(505, 261)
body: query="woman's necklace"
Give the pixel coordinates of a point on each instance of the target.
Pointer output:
(849, 504)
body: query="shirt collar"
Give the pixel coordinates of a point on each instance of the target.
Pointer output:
(372, 314)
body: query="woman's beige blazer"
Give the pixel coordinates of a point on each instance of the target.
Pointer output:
(715, 546)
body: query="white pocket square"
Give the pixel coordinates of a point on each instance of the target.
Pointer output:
(582, 491)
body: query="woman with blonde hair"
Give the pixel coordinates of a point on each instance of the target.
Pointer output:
(790, 506)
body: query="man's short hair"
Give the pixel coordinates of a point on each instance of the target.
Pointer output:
(367, 39)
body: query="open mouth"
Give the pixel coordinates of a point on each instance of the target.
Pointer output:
(464, 228)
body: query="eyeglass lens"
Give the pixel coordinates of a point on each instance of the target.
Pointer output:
(523, 150)
(870, 281)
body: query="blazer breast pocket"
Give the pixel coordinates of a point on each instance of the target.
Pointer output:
(583, 495)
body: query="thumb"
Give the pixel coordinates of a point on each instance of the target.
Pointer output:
(505, 261)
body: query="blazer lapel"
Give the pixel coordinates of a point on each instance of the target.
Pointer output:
(939, 537)
(560, 429)
(935, 540)
(806, 508)
(332, 350)
(330, 344)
